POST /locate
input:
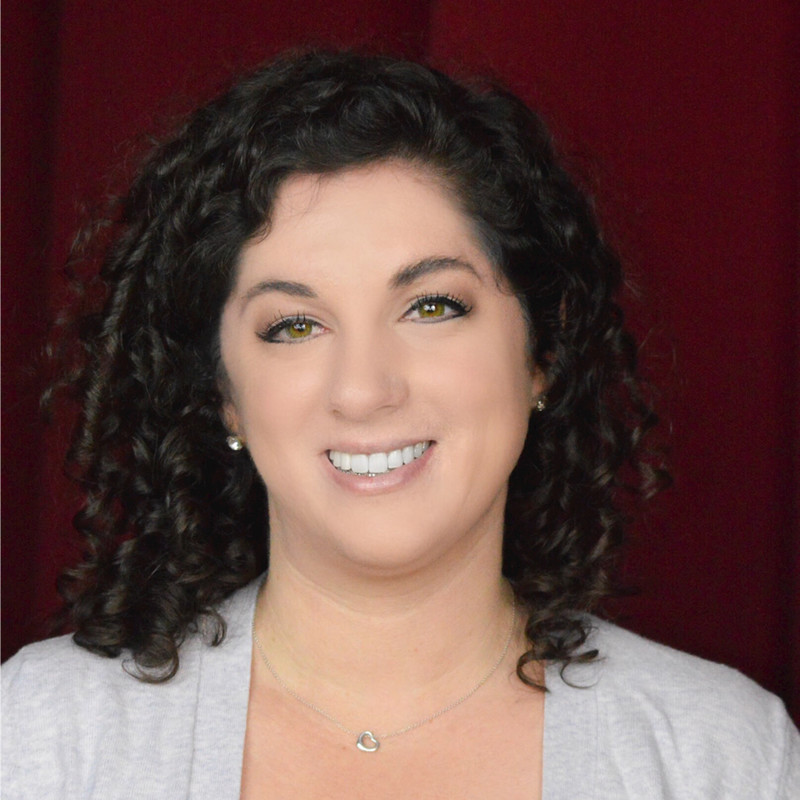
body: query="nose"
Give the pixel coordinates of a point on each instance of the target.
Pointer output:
(367, 376)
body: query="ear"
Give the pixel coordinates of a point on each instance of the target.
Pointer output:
(539, 387)
(230, 418)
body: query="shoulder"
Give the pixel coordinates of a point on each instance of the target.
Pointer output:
(696, 723)
(61, 679)
(73, 719)
(668, 678)
(59, 668)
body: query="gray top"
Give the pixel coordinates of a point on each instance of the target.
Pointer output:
(654, 723)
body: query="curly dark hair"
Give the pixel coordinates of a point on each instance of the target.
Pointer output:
(173, 521)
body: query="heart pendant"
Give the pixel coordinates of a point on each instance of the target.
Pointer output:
(367, 742)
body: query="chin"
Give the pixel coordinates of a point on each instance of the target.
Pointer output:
(389, 553)
(401, 546)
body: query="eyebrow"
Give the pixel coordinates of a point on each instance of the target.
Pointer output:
(286, 287)
(413, 272)
(405, 276)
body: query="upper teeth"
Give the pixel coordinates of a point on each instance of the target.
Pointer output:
(376, 463)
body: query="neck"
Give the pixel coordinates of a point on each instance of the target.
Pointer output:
(386, 650)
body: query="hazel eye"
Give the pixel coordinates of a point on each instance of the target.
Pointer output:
(291, 329)
(299, 330)
(432, 309)
(437, 308)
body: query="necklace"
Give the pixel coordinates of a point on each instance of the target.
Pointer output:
(366, 740)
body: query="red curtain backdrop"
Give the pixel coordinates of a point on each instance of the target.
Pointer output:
(685, 117)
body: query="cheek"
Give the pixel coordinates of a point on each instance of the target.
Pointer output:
(494, 364)
(267, 401)
(491, 390)
(274, 406)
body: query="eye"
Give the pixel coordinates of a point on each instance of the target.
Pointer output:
(289, 330)
(437, 308)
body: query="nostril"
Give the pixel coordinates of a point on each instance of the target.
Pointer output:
(357, 394)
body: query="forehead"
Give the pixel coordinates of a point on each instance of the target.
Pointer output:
(370, 194)
(391, 210)
(300, 192)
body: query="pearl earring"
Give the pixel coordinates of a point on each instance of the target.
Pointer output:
(234, 442)
(541, 402)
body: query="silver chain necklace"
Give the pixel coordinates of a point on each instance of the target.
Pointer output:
(367, 741)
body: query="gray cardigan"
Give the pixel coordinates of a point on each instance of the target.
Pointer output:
(653, 723)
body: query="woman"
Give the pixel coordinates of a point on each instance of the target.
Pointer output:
(361, 327)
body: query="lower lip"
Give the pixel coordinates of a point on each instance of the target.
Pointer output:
(386, 481)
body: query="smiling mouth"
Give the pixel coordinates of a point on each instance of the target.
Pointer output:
(372, 464)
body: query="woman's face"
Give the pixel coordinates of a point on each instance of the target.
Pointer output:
(377, 372)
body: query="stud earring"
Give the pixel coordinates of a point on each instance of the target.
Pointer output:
(234, 442)
(541, 402)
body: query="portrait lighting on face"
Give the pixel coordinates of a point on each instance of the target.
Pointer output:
(402, 358)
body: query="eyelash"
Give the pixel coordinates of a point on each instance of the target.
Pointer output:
(282, 323)
(461, 307)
